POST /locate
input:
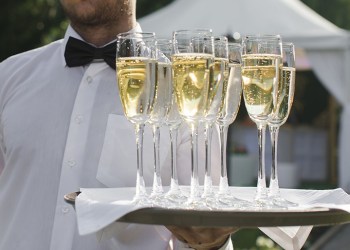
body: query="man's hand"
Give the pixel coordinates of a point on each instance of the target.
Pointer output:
(203, 238)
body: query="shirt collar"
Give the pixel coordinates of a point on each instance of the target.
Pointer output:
(71, 32)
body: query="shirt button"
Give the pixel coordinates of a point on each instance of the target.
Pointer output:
(89, 79)
(65, 210)
(78, 119)
(71, 163)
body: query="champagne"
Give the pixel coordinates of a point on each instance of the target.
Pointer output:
(231, 96)
(285, 96)
(217, 77)
(137, 82)
(172, 116)
(191, 75)
(260, 75)
(163, 94)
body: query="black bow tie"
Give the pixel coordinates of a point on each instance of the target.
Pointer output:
(79, 53)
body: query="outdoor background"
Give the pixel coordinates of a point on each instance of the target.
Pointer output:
(28, 24)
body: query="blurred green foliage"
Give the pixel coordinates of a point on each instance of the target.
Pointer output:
(145, 7)
(336, 11)
(28, 24)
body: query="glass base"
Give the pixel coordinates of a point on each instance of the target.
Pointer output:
(175, 199)
(280, 202)
(229, 201)
(141, 200)
(197, 204)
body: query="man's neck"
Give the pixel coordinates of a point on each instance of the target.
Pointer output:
(101, 35)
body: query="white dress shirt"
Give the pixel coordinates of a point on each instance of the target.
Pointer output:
(55, 128)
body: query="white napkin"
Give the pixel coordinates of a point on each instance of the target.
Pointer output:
(98, 208)
(293, 238)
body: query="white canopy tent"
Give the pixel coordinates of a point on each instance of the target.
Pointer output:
(327, 46)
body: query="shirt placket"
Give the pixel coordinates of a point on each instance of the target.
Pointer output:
(64, 223)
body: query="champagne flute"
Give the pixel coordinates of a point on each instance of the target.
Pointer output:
(281, 109)
(136, 65)
(230, 102)
(192, 62)
(261, 60)
(212, 109)
(173, 120)
(157, 118)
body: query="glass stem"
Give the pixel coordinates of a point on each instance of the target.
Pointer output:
(157, 181)
(261, 186)
(194, 194)
(223, 186)
(174, 186)
(274, 187)
(140, 183)
(208, 139)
